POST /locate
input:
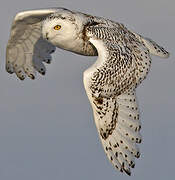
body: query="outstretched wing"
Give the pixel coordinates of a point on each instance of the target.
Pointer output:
(123, 62)
(26, 49)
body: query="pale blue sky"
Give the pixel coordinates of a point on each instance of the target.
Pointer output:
(47, 130)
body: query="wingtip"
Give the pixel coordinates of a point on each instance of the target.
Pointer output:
(127, 172)
(167, 55)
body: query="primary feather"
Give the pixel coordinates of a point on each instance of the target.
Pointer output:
(110, 83)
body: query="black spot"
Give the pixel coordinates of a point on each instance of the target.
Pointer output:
(115, 146)
(32, 76)
(48, 61)
(92, 23)
(132, 164)
(116, 154)
(139, 141)
(104, 135)
(137, 155)
(52, 51)
(99, 100)
(99, 112)
(42, 71)
(121, 170)
(127, 172)
(22, 78)
(139, 128)
(110, 148)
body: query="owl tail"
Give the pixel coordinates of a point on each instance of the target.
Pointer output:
(154, 48)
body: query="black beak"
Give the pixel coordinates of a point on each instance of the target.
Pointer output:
(47, 36)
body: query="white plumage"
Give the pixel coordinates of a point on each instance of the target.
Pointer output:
(110, 83)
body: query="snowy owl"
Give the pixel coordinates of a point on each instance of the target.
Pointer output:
(123, 63)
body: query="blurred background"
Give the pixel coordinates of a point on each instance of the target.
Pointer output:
(47, 129)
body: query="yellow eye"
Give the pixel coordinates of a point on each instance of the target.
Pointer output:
(57, 27)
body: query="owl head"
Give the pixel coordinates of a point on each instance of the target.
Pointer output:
(61, 29)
